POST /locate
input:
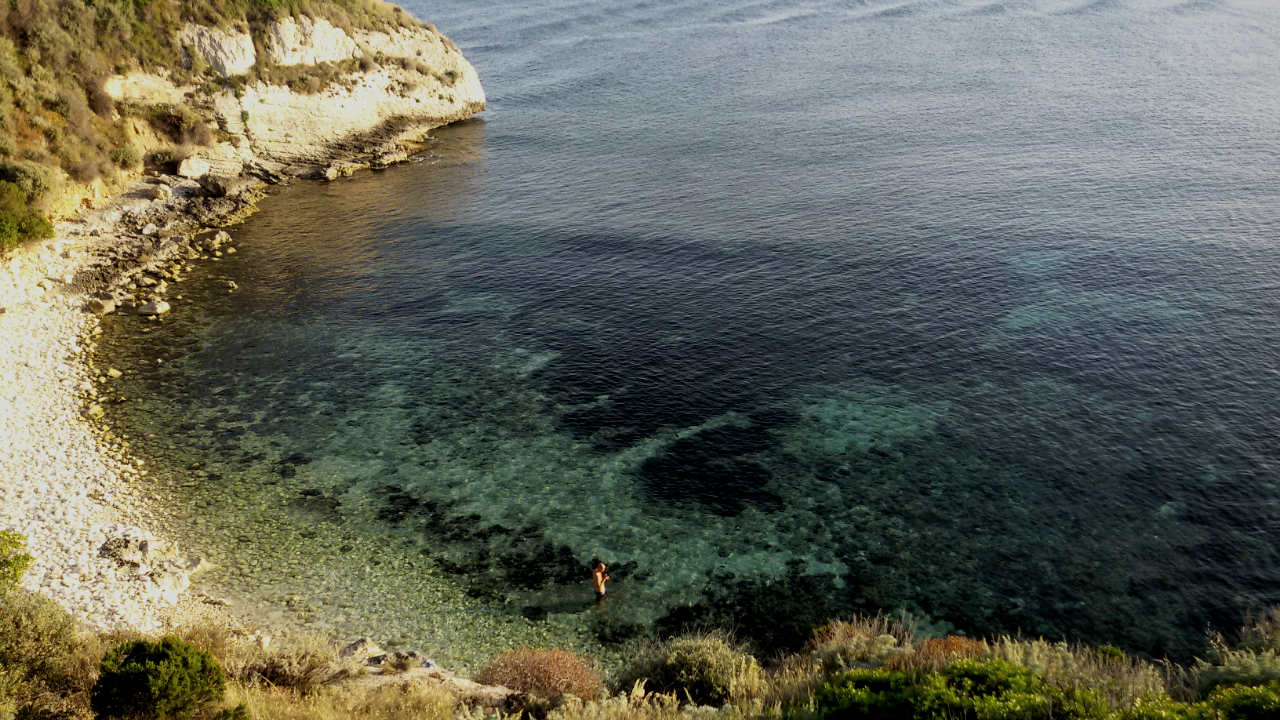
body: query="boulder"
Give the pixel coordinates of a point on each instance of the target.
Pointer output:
(155, 307)
(101, 307)
(191, 168)
(223, 186)
(161, 192)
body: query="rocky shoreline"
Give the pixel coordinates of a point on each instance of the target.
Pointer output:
(68, 483)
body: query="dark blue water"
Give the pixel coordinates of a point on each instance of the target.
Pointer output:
(793, 310)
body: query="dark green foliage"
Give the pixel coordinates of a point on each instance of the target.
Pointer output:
(34, 226)
(13, 560)
(965, 690)
(167, 679)
(37, 181)
(126, 156)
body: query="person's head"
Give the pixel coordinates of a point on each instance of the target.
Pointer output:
(600, 566)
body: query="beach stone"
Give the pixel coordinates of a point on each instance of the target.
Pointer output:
(101, 307)
(113, 373)
(161, 192)
(364, 647)
(94, 412)
(150, 229)
(155, 307)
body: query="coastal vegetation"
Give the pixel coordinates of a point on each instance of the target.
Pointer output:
(866, 667)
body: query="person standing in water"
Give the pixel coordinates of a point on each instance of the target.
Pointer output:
(598, 578)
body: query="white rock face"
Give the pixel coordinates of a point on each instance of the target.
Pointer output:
(274, 124)
(307, 42)
(229, 53)
(193, 167)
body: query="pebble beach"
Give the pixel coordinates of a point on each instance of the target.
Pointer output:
(67, 484)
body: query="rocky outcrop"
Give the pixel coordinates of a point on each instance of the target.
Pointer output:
(306, 42)
(227, 52)
(416, 79)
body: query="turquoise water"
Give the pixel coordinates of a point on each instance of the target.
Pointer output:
(786, 311)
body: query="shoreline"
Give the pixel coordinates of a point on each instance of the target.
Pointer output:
(129, 483)
(66, 483)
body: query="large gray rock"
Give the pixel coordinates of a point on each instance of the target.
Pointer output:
(222, 186)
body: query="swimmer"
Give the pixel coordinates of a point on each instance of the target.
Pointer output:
(598, 578)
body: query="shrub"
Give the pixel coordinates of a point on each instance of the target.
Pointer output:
(141, 679)
(545, 673)
(966, 689)
(13, 560)
(707, 669)
(1237, 667)
(34, 226)
(36, 180)
(1116, 677)
(46, 662)
(934, 654)
(1242, 702)
(126, 156)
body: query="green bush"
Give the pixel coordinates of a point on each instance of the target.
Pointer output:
(39, 646)
(1238, 667)
(1241, 702)
(39, 182)
(869, 694)
(1165, 709)
(126, 156)
(705, 669)
(14, 562)
(34, 226)
(966, 690)
(168, 679)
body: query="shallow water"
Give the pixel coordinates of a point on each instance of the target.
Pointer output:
(786, 311)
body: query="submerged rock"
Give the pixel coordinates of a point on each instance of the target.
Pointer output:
(101, 307)
(155, 307)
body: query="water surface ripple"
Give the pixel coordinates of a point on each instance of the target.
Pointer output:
(789, 310)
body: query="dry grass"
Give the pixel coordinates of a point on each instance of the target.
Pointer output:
(401, 701)
(934, 654)
(303, 667)
(641, 705)
(842, 632)
(545, 673)
(1120, 680)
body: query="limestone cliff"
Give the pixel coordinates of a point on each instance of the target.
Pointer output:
(390, 87)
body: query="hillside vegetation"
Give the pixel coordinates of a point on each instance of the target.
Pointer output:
(58, 123)
(863, 668)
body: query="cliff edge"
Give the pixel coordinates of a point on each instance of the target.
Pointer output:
(358, 94)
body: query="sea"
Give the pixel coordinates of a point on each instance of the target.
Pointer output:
(961, 311)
